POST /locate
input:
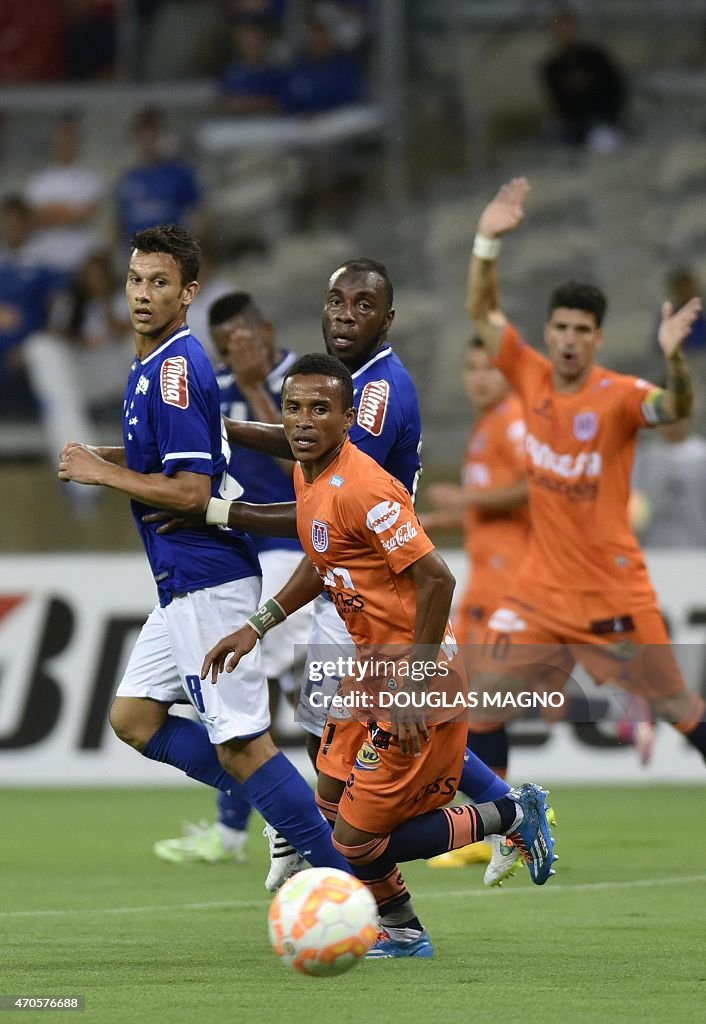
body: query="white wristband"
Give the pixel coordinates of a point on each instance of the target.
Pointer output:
(217, 512)
(486, 248)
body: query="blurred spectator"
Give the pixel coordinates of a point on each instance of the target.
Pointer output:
(93, 317)
(159, 188)
(585, 87)
(323, 76)
(349, 22)
(89, 39)
(65, 198)
(27, 291)
(30, 40)
(682, 285)
(37, 376)
(668, 500)
(257, 12)
(252, 83)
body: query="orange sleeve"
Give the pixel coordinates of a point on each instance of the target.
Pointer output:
(638, 403)
(379, 511)
(512, 448)
(520, 363)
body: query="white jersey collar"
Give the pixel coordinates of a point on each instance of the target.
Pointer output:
(181, 333)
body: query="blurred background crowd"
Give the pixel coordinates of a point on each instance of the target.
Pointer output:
(290, 135)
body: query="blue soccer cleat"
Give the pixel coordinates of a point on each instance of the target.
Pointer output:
(533, 836)
(387, 948)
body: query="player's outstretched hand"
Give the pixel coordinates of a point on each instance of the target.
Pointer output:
(169, 523)
(675, 327)
(82, 464)
(227, 652)
(506, 211)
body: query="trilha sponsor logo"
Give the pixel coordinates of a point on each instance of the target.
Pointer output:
(383, 516)
(570, 467)
(174, 382)
(373, 406)
(402, 534)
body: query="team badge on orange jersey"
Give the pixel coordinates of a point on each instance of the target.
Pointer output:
(319, 535)
(585, 426)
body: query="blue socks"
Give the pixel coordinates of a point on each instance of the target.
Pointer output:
(234, 809)
(479, 782)
(286, 801)
(185, 744)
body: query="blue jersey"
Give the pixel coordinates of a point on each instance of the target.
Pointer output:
(388, 425)
(172, 424)
(262, 478)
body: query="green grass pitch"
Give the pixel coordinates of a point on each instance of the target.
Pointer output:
(619, 935)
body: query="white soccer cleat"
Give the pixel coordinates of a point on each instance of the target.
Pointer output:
(505, 860)
(203, 844)
(284, 860)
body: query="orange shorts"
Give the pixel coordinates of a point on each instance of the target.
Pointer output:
(532, 647)
(385, 787)
(340, 743)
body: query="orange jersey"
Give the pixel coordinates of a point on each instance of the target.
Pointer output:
(358, 526)
(495, 542)
(580, 450)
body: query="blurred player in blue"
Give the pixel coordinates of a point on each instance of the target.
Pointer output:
(174, 457)
(250, 383)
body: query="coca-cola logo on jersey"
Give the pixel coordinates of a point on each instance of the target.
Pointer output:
(402, 535)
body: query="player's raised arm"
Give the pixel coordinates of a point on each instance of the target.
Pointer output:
(677, 400)
(261, 437)
(504, 213)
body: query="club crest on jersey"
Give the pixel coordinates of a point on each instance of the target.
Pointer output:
(585, 426)
(319, 535)
(336, 481)
(174, 382)
(367, 759)
(373, 406)
(142, 385)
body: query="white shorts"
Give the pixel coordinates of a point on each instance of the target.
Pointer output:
(329, 641)
(166, 660)
(283, 648)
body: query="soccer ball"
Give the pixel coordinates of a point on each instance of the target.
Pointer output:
(322, 922)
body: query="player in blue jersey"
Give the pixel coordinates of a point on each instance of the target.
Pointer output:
(174, 456)
(250, 382)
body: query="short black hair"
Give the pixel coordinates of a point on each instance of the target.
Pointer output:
(364, 265)
(177, 243)
(230, 305)
(575, 295)
(322, 365)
